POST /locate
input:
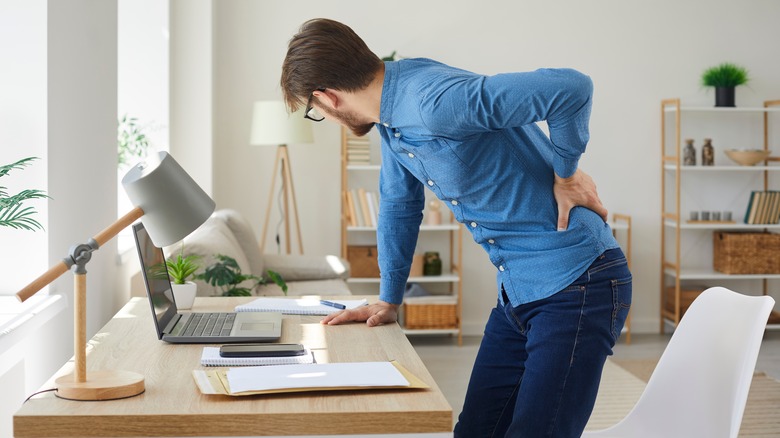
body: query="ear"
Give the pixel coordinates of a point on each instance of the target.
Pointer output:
(329, 97)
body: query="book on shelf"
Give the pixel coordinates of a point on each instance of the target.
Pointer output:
(763, 207)
(357, 213)
(362, 207)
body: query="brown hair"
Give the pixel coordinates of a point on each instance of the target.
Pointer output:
(326, 54)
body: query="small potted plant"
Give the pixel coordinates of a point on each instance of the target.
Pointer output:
(725, 78)
(180, 270)
(227, 275)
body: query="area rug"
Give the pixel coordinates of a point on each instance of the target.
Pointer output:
(623, 382)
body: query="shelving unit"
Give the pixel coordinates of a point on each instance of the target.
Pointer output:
(448, 236)
(733, 186)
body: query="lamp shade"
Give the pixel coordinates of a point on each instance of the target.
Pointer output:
(273, 125)
(173, 203)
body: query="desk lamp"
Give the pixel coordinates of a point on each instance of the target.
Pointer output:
(171, 205)
(273, 125)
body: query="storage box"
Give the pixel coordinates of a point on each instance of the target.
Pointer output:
(687, 295)
(432, 312)
(363, 261)
(746, 252)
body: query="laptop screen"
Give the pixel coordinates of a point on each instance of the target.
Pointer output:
(158, 284)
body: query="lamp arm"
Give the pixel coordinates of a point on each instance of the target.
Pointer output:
(62, 267)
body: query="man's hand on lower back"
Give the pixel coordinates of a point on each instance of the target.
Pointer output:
(576, 190)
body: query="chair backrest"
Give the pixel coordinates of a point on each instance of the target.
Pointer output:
(701, 383)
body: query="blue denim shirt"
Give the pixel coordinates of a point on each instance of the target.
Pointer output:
(472, 140)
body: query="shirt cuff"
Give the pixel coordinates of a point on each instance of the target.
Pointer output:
(392, 291)
(565, 167)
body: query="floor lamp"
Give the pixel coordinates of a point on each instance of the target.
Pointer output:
(171, 205)
(273, 125)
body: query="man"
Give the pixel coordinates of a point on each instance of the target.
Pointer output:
(563, 285)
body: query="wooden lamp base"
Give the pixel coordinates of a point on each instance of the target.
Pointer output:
(101, 385)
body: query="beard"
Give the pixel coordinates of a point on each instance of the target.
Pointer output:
(350, 121)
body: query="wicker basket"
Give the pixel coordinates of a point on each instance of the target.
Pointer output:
(687, 295)
(746, 253)
(362, 261)
(431, 312)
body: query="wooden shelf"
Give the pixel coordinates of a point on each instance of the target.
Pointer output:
(728, 168)
(673, 176)
(713, 109)
(710, 274)
(721, 226)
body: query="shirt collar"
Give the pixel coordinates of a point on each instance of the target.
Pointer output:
(388, 93)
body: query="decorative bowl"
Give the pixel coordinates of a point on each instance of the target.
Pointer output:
(747, 157)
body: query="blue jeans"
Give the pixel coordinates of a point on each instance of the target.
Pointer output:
(539, 365)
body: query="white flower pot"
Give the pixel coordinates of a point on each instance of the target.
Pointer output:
(184, 294)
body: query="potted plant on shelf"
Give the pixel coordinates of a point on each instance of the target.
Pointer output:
(725, 78)
(13, 213)
(180, 270)
(227, 275)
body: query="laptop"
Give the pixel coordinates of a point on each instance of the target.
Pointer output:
(196, 327)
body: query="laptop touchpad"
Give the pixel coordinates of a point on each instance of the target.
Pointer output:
(257, 326)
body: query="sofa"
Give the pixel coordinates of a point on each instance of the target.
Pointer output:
(227, 232)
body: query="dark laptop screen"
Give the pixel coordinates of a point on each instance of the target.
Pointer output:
(158, 284)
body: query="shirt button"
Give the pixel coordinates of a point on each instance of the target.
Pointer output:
(386, 125)
(430, 183)
(501, 268)
(454, 202)
(473, 225)
(411, 155)
(397, 135)
(491, 241)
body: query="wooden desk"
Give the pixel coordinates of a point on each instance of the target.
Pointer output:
(173, 406)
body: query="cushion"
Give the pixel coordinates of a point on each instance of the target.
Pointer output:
(301, 267)
(214, 237)
(242, 231)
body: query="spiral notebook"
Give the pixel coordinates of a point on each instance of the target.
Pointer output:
(300, 306)
(211, 358)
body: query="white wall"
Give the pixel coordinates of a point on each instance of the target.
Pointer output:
(62, 57)
(191, 64)
(23, 132)
(636, 52)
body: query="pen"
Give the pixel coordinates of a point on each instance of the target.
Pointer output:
(332, 304)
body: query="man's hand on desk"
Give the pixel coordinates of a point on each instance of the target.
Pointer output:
(374, 314)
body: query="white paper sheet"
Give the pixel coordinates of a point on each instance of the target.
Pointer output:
(323, 375)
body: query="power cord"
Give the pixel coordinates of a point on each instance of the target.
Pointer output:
(39, 392)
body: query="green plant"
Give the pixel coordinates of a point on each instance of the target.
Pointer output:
(724, 75)
(131, 140)
(182, 268)
(226, 274)
(13, 213)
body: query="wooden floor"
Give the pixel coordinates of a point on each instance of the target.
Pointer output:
(451, 365)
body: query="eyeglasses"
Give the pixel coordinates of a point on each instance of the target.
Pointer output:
(311, 113)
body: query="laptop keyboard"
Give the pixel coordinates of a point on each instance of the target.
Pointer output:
(209, 324)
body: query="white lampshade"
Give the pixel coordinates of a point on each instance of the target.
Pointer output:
(174, 205)
(272, 125)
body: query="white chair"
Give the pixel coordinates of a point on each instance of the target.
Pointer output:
(700, 386)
